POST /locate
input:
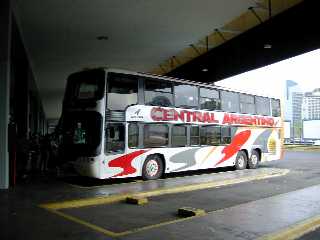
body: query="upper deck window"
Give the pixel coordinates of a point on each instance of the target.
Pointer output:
(186, 96)
(209, 99)
(229, 101)
(122, 91)
(158, 93)
(263, 106)
(247, 104)
(275, 105)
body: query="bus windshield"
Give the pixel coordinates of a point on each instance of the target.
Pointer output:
(83, 133)
(85, 87)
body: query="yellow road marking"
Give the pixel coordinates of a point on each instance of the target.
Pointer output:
(295, 231)
(158, 225)
(157, 192)
(85, 202)
(201, 186)
(55, 207)
(84, 223)
(117, 234)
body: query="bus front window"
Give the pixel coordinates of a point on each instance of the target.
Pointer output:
(84, 87)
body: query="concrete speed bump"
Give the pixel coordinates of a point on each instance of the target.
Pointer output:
(137, 200)
(190, 212)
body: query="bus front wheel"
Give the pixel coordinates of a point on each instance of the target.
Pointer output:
(152, 168)
(241, 160)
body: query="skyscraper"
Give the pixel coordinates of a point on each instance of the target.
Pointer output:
(311, 105)
(293, 108)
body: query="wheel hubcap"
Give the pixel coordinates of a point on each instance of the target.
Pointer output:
(241, 162)
(254, 159)
(152, 168)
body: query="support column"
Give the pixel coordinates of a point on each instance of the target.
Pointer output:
(5, 40)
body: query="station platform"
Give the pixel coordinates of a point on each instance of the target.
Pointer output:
(266, 203)
(285, 216)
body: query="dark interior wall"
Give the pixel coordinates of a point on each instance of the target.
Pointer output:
(5, 41)
(25, 102)
(290, 33)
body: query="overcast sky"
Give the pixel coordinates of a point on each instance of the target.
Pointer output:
(270, 80)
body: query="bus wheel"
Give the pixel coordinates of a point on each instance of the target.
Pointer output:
(152, 168)
(253, 162)
(241, 160)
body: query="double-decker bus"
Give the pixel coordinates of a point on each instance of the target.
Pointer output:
(119, 124)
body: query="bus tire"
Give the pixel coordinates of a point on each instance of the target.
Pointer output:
(254, 159)
(241, 160)
(152, 168)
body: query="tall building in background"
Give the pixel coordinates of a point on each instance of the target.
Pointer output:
(311, 115)
(311, 105)
(293, 109)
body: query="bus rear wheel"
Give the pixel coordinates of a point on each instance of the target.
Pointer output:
(253, 161)
(241, 160)
(152, 168)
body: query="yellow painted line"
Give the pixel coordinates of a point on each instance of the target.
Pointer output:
(84, 223)
(295, 231)
(157, 225)
(85, 202)
(202, 186)
(117, 234)
(157, 192)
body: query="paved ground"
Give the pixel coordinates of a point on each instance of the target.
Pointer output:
(23, 219)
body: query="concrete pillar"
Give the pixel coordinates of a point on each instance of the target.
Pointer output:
(5, 41)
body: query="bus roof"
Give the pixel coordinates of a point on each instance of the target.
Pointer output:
(180, 80)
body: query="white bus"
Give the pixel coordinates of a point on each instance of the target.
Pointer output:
(120, 124)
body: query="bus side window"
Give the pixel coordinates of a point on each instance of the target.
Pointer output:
(194, 135)
(210, 99)
(210, 135)
(179, 136)
(262, 106)
(275, 105)
(225, 135)
(133, 135)
(122, 91)
(155, 135)
(114, 140)
(186, 96)
(230, 101)
(247, 104)
(158, 93)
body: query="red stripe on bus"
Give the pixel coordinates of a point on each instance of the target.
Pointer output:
(237, 142)
(125, 162)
